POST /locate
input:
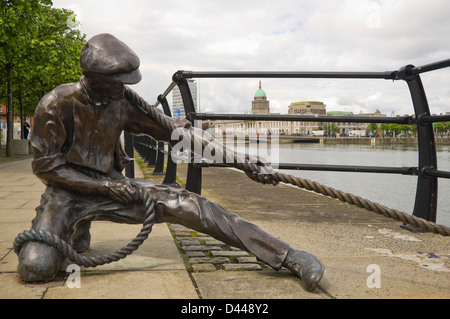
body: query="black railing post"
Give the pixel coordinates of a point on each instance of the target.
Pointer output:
(427, 186)
(171, 170)
(129, 149)
(159, 164)
(151, 152)
(194, 174)
(139, 146)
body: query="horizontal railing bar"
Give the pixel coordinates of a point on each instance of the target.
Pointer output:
(434, 118)
(305, 118)
(387, 75)
(331, 168)
(436, 173)
(413, 171)
(350, 168)
(431, 67)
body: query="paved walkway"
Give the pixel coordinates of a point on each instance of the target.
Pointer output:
(365, 255)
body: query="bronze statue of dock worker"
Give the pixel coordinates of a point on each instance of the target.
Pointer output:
(79, 157)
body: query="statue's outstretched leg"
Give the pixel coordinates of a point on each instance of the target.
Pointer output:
(68, 216)
(199, 213)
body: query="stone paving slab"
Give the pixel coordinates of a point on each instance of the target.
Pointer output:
(129, 285)
(202, 249)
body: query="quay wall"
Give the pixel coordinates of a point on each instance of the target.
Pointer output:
(381, 140)
(330, 140)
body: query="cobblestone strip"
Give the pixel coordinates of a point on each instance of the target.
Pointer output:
(204, 253)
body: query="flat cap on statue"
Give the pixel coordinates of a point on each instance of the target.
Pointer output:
(106, 56)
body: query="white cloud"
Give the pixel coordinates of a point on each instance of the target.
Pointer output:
(285, 35)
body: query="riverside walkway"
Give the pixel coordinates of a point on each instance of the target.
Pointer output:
(366, 256)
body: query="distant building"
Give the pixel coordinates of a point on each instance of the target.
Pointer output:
(17, 127)
(351, 128)
(2, 123)
(2, 114)
(177, 101)
(307, 107)
(260, 104)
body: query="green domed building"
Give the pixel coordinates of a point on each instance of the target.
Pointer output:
(260, 104)
(260, 92)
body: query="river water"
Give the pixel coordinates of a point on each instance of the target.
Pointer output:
(391, 190)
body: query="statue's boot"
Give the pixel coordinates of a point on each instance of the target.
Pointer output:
(58, 214)
(306, 266)
(39, 262)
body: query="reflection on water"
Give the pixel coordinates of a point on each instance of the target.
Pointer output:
(391, 190)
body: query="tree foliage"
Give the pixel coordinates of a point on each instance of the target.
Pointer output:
(38, 51)
(393, 129)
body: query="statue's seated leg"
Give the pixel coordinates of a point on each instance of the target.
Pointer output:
(38, 261)
(82, 237)
(68, 216)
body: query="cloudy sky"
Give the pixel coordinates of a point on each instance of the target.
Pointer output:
(282, 35)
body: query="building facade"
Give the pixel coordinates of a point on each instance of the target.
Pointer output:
(177, 101)
(307, 107)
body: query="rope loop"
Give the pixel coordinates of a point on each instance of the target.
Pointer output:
(93, 261)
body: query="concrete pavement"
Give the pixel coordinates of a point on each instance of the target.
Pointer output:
(365, 255)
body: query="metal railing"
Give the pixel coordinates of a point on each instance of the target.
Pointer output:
(427, 172)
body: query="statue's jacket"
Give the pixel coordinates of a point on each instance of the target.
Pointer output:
(67, 128)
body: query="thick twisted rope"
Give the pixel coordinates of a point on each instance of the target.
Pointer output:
(252, 169)
(363, 203)
(164, 121)
(93, 261)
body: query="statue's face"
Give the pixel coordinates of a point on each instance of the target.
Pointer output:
(106, 88)
(115, 90)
